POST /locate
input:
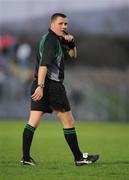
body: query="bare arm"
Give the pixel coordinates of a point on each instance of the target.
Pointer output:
(42, 74)
(38, 94)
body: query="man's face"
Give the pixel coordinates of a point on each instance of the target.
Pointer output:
(59, 25)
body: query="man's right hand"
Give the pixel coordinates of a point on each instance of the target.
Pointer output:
(68, 37)
(38, 94)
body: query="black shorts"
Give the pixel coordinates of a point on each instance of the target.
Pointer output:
(54, 97)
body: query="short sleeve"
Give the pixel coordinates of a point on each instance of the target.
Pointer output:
(48, 53)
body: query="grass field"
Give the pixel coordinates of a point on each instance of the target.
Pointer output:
(54, 158)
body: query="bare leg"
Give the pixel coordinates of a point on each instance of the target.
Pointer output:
(35, 117)
(66, 118)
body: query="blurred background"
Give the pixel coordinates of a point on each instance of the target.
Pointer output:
(97, 81)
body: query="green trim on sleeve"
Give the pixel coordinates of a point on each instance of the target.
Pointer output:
(41, 46)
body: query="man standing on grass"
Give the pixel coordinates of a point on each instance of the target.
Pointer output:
(48, 92)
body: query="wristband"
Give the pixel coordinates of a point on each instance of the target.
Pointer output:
(41, 85)
(71, 44)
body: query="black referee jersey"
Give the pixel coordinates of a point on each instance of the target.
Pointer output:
(52, 52)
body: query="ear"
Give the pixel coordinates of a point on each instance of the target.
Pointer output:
(52, 25)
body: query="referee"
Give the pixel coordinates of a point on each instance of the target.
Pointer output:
(48, 93)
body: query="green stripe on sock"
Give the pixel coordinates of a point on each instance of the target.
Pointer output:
(69, 131)
(30, 127)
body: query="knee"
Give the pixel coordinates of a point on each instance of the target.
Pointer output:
(66, 119)
(58, 114)
(34, 119)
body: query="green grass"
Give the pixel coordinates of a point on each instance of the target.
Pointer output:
(54, 158)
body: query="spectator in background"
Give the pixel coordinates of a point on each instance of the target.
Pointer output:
(23, 54)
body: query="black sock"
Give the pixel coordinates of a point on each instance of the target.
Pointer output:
(71, 138)
(27, 140)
